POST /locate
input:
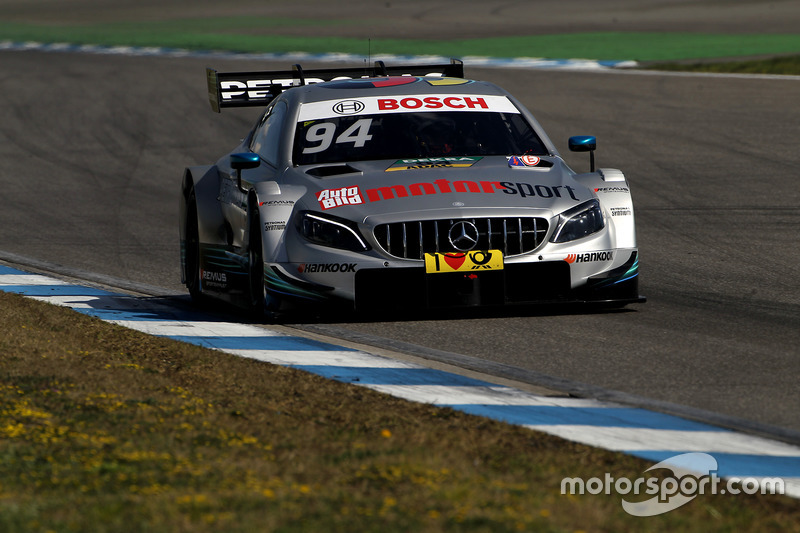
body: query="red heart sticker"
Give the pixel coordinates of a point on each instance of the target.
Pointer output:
(455, 260)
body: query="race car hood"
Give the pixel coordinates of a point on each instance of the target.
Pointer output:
(359, 190)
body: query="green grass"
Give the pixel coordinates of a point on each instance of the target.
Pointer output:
(106, 429)
(259, 34)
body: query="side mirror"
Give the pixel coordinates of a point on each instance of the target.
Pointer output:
(584, 143)
(242, 161)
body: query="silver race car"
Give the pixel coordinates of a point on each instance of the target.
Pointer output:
(402, 187)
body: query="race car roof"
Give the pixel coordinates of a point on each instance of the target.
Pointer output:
(393, 86)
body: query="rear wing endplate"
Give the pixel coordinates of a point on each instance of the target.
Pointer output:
(243, 89)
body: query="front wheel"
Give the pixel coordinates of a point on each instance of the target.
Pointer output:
(261, 301)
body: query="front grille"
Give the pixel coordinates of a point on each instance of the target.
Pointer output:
(511, 235)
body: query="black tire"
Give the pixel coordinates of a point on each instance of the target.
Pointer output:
(192, 251)
(255, 268)
(262, 304)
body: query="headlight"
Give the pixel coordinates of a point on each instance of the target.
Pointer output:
(580, 221)
(331, 231)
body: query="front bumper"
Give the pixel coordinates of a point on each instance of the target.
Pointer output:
(546, 282)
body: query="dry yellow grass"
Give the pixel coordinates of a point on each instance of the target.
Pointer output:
(106, 429)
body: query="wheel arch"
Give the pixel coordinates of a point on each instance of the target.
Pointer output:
(612, 189)
(200, 185)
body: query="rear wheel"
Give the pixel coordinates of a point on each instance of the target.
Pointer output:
(192, 251)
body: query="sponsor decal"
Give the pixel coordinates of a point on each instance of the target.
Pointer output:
(463, 160)
(423, 166)
(613, 189)
(308, 268)
(348, 107)
(391, 81)
(447, 81)
(214, 279)
(621, 211)
(523, 161)
(277, 225)
(542, 191)
(277, 202)
(377, 105)
(464, 261)
(433, 162)
(440, 186)
(433, 102)
(589, 257)
(255, 89)
(330, 198)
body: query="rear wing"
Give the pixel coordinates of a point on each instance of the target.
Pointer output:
(243, 89)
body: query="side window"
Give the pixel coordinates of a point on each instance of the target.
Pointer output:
(266, 139)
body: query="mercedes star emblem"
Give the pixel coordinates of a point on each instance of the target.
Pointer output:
(463, 236)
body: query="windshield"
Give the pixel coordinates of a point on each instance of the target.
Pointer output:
(413, 135)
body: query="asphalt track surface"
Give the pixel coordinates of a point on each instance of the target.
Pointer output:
(433, 20)
(93, 148)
